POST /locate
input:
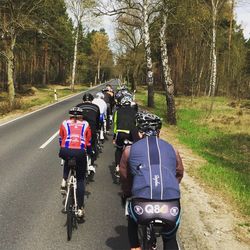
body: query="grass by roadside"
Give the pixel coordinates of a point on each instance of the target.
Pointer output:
(223, 140)
(35, 97)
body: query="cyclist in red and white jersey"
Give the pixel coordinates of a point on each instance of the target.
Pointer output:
(75, 140)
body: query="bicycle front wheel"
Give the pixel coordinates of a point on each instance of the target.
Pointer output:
(70, 214)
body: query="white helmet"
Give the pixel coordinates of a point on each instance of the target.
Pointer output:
(99, 95)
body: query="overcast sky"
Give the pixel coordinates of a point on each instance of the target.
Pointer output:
(242, 13)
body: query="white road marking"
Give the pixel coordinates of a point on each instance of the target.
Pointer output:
(50, 139)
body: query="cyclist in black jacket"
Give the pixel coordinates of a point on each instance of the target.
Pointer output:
(124, 123)
(91, 113)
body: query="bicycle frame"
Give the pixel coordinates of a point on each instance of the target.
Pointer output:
(71, 183)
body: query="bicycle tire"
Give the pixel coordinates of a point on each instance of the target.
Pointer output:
(146, 244)
(70, 215)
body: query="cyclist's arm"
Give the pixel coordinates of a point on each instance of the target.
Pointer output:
(98, 123)
(179, 167)
(115, 123)
(126, 177)
(61, 134)
(88, 135)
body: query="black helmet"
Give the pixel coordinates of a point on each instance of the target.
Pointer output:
(88, 97)
(75, 111)
(148, 123)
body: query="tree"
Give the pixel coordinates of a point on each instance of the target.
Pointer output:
(15, 17)
(143, 11)
(130, 38)
(78, 8)
(100, 51)
(215, 6)
(169, 86)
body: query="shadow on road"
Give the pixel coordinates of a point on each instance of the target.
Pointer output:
(120, 242)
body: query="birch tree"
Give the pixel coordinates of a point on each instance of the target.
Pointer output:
(77, 8)
(144, 11)
(169, 85)
(215, 6)
(15, 17)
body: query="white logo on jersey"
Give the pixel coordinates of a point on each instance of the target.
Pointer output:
(156, 180)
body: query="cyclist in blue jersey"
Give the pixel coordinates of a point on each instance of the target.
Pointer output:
(151, 169)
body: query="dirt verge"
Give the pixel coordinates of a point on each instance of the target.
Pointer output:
(207, 220)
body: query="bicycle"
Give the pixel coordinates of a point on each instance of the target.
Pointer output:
(155, 219)
(70, 206)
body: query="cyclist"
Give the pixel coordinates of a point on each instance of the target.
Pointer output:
(91, 113)
(99, 101)
(74, 139)
(142, 161)
(109, 99)
(124, 92)
(124, 118)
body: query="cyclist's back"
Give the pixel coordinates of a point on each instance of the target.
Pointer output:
(124, 123)
(124, 119)
(99, 101)
(91, 113)
(75, 140)
(151, 170)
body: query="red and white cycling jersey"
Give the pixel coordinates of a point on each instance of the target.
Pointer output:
(75, 134)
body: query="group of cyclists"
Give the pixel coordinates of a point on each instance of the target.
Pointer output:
(150, 169)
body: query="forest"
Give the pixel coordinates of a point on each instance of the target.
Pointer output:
(184, 47)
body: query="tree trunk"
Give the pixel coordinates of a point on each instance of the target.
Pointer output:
(149, 79)
(74, 61)
(169, 86)
(9, 45)
(229, 44)
(46, 66)
(98, 70)
(214, 56)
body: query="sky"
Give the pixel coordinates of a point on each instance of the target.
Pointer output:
(242, 13)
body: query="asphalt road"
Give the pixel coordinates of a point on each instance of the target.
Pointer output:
(31, 204)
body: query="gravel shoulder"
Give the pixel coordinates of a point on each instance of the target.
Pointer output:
(208, 222)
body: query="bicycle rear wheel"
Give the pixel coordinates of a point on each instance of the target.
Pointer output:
(145, 237)
(70, 214)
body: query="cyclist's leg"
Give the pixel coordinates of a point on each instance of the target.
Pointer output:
(119, 146)
(170, 243)
(64, 154)
(94, 149)
(80, 176)
(108, 117)
(133, 234)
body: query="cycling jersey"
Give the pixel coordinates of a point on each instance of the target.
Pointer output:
(151, 169)
(91, 113)
(124, 119)
(75, 134)
(102, 106)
